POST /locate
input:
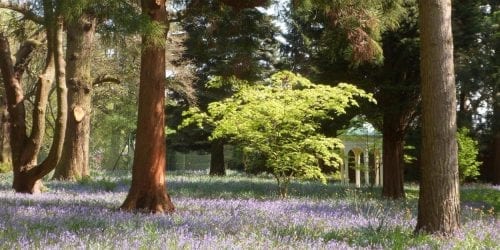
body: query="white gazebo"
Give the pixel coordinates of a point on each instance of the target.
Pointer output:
(362, 155)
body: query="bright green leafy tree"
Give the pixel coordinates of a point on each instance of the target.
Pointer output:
(279, 119)
(468, 165)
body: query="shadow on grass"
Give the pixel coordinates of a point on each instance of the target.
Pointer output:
(390, 238)
(258, 188)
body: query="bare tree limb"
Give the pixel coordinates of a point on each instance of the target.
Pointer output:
(22, 8)
(104, 79)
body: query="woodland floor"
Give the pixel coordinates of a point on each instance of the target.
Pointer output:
(233, 212)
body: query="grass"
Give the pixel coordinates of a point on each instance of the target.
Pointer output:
(233, 212)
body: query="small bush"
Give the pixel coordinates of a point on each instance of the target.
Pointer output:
(467, 155)
(5, 167)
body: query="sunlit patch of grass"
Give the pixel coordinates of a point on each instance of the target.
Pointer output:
(480, 194)
(390, 238)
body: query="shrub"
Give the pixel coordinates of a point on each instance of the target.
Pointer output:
(278, 121)
(467, 155)
(5, 167)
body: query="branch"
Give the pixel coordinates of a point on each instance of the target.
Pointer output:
(175, 17)
(24, 55)
(22, 9)
(105, 78)
(55, 151)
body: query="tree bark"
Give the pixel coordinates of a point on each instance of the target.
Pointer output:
(439, 203)
(217, 158)
(148, 191)
(27, 178)
(24, 148)
(27, 173)
(74, 163)
(393, 157)
(495, 149)
(496, 160)
(5, 150)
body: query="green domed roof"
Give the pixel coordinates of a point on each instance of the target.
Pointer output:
(363, 129)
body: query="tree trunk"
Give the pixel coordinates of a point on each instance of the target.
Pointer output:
(5, 150)
(393, 155)
(495, 163)
(495, 149)
(27, 178)
(439, 203)
(495, 145)
(74, 162)
(217, 158)
(24, 148)
(148, 191)
(27, 173)
(464, 114)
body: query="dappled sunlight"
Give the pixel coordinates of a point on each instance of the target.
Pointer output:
(237, 211)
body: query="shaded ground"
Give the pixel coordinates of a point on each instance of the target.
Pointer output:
(232, 212)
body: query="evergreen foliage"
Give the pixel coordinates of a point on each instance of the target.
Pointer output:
(346, 29)
(222, 43)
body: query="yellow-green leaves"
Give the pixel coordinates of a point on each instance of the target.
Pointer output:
(279, 119)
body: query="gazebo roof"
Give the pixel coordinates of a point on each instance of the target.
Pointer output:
(361, 135)
(363, 129)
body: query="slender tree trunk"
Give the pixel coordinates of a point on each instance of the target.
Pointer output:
(495, 149)
(439, 203)
(217, 158)
(27, 177)
(5, 150)
(393, 145)
(495, 163)
(148, 191)
(74, 162)
(464, 114)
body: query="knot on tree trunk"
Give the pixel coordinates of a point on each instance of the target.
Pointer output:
(78, 113)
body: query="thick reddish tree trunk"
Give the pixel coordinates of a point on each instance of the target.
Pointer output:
(148, 191)
(393, 146)
(217, 158)
(439, 200)
(80, 39)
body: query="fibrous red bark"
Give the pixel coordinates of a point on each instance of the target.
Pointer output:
(148, 191)
(393, 146)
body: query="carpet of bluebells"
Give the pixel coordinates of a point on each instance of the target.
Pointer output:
(234, 212)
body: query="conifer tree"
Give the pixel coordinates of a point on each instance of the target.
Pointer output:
(439, 197)
(148, 191)
(225, 38)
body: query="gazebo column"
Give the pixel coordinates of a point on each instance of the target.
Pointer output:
(345, 169)
(357, 160)
(366, 167)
